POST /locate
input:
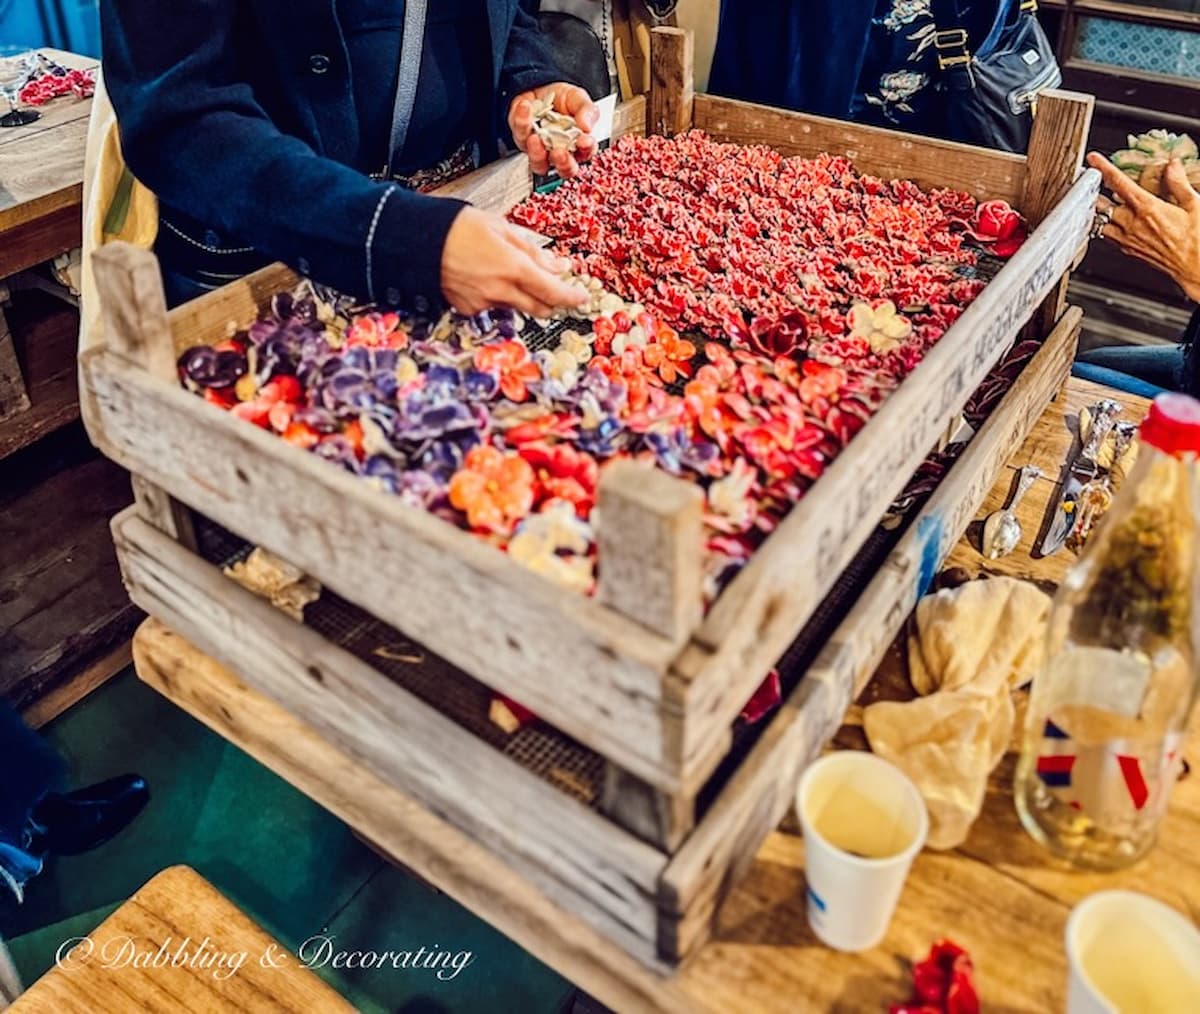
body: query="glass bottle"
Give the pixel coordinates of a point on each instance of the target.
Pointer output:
(1108, 712)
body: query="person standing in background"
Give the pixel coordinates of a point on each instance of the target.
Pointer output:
(36, 820)
(311, 131)
(871, 61)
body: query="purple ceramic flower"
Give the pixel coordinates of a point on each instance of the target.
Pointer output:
(204, 366)
(675, 450)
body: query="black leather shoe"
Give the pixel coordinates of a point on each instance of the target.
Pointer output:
(66, 824)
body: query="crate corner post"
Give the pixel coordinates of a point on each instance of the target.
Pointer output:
(649, 531)
(1056, 149)
(136, 330)
(672, 81)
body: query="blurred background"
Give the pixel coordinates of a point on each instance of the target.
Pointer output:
(73, 25)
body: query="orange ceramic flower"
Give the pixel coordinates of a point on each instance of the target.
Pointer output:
(629, 369)
(377, 330)
(511, 363)
(493, 488)
(670, 355)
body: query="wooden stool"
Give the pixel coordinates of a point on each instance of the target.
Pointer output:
(196, 937)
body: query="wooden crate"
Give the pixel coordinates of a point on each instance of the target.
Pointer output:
(636, 675)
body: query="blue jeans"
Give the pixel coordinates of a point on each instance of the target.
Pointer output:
(29, 768)
(1143, 370)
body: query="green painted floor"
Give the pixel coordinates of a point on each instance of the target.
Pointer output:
(287, 863)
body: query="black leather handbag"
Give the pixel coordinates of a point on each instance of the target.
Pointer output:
(991, 99)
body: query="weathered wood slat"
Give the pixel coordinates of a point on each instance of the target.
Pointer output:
(426, 843)
(216, 315)
(757, 616)
(584, 862)
(136, 329)
(584, 668)
(761, 791)
(891, 154)
(672, 88)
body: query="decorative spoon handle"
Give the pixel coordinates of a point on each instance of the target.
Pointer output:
(1028, 476)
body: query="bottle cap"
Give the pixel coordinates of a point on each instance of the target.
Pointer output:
(1173, 425)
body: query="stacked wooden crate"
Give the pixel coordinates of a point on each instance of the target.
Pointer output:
(638, 675)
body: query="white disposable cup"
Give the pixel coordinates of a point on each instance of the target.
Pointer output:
(863, 823)
(1131, 954)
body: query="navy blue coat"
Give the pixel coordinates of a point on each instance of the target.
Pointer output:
(240, 114)
(808, 54)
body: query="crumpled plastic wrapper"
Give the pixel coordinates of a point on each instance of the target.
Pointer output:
(287, 588)
(972, 647)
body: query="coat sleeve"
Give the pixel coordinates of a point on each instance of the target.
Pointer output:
(193, 132)
(529, 61)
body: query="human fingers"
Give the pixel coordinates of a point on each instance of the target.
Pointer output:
(1125, 189)
(539, 158)
(1179, 187)
(520, 121)
(564, 163)
(546, 287)
(544, 256)
(574, 101)
(585, 148)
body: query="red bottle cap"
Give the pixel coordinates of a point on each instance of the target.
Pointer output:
(1173, 425)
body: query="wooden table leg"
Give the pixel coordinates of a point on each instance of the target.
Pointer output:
(13, 396)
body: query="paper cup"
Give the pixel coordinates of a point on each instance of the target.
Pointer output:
(863, 823)
(1131, 954)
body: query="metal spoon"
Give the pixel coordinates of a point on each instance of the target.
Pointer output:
(1001, 529)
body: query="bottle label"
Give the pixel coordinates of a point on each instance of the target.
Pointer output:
(1113, 782)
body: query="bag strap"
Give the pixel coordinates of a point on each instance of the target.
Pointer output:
(412, 42)
(950, 38)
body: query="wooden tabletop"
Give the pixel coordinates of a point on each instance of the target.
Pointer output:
(1000, 895)
(226, 962)
(41, 178)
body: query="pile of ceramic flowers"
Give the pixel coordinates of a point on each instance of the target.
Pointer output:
(51, 80)
(470, 418)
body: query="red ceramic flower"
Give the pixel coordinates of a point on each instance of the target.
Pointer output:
(509, 361)
(494, 489)
(998, 227)
(279, 395)
(564, 473)
(944, 983)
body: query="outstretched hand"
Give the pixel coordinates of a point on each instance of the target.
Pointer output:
(486, 262)
(1165, 235)
(569, 99)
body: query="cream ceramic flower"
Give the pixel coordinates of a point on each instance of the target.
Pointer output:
(576, 345)
(555, 543)
(559, 366)
(882, 327)
(406, 370)
(729, 497)
(635, 337)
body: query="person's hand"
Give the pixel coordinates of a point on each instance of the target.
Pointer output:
(1164, 235)
(486, 262)
(569, 99)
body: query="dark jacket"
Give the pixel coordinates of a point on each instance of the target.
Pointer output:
(808, 54)
(240, 114)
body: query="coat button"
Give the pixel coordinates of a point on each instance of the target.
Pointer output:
(392, 296)
(318, 63)
(211, 239)
(302, 266)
